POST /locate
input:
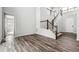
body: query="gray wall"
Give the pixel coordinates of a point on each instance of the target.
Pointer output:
(24, 19)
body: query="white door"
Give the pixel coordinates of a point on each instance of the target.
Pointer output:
(69, 24)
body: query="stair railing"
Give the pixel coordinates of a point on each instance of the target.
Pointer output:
(48, 22)
(52, 23)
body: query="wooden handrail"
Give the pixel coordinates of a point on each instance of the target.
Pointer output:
(55, 17)
(48, 23)
(44, 21)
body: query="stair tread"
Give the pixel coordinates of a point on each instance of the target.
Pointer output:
(59, 34)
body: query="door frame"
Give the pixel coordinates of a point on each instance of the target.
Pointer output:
(3, 24)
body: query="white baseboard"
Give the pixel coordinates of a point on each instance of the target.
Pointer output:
(77, 39)
(46, 33)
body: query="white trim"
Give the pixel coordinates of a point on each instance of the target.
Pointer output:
(77, 39)
(46, 33)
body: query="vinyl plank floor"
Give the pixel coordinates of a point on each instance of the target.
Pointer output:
(37, 43)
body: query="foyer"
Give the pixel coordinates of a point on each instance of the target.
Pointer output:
(39, 29)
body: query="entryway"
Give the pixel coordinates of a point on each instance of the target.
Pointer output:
(8, 45)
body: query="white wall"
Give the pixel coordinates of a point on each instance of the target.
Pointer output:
(78, 24)
(37, 19)
(24, 19)
(45, 14)
(0, 24)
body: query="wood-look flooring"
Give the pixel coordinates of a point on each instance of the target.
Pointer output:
(37, 43)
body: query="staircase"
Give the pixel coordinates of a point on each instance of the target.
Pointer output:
(50, 25)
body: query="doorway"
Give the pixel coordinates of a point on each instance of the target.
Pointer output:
(69, 22)
(9, 25)
(8, 30)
